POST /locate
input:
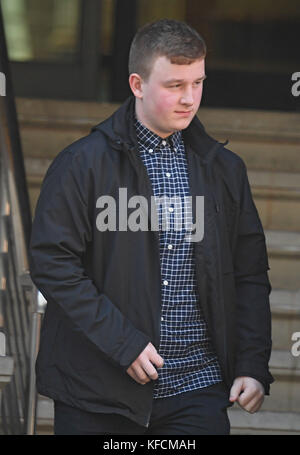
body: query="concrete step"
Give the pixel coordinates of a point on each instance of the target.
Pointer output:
(279, 155)
(261, 179)
(284, 394)
(265, 140)
(285, 308)
(277, 198)
(45, 416)
(47, 126)
(284, 259)
(284, 364)
(263, 422)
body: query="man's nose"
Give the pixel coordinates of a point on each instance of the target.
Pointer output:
(187, 96)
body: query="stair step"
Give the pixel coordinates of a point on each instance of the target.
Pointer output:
(283, 241)
(44, 415)
(284, 364)
(284, 393)
(250, 123)
(274, 179)
(284, 255)
(278, 210)
(285, 308)
(263, 155)
(285, 302)
(265, 140)
(264, 422)
(277, 198)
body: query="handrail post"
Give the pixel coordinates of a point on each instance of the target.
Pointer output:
(38, 309)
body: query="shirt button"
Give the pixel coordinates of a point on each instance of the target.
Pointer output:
(175, 149)
(150, 150)
(166, 282)
(168, 174)
(161, 318)
(164, 143)
(170, 247)
(171, 209)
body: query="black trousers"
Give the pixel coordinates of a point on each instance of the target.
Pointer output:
(198, 412)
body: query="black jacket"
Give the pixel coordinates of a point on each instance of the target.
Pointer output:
(104, 288)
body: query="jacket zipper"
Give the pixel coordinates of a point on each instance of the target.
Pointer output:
(207, 175)
(217, 210)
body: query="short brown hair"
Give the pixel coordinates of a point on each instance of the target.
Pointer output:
(176, 40)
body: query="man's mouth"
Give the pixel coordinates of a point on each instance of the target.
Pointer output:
(185, 113)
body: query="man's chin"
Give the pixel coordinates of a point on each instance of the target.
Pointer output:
(182, 123)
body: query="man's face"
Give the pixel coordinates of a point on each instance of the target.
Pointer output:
(171, 96)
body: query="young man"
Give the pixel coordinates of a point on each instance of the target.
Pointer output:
(148, 328)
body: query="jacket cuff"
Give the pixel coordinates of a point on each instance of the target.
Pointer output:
(134, 346)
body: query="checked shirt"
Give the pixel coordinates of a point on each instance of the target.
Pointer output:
(189, 359)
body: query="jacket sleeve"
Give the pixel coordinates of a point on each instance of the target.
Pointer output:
(253, 336)
(61, 230)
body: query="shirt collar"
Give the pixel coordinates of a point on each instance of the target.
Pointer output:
(149, 139)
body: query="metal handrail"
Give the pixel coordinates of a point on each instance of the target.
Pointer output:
(15, 308)
(36, 321)
(20, 310)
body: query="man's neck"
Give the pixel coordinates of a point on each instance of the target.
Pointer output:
(144, 122)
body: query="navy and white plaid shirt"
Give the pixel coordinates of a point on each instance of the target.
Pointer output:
(189, 359)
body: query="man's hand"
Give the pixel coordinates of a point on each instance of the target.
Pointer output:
(248, 392)
(142, 369)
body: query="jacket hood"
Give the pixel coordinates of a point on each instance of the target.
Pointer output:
(119, 128)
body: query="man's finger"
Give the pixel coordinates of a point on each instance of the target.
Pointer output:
(141, 374)
(236, 390)
(251, 399)
(154, 357)
(138, 374)
(132, 374)
(253, 405)
(158, 361)
(150, 371)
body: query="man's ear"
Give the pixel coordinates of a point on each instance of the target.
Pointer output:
(136, 85)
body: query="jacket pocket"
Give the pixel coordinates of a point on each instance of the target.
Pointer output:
(76, 352)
